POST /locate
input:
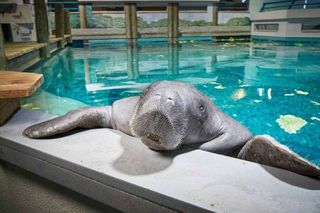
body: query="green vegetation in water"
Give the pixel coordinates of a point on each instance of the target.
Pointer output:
(50, 103)
(290, 123)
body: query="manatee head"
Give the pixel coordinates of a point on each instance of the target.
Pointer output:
(171, 113)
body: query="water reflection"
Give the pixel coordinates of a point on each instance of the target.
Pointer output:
(141, 65)
(86, 70)
(127, 70)
(132, 62)
(173, 60)
(132, 67)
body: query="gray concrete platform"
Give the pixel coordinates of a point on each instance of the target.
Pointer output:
(121, 172)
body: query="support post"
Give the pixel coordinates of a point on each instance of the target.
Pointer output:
(83, 16)
(132, 62)
(8, 108)
(213, 63)
(130, 11)
(3, 60)
(59, 21)
(215, 15)
(67, 25)
(42, 26)
(173, 22)
(86, 70)
(15, 85)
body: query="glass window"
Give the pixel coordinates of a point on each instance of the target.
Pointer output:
(152, 17)
(310, 27)
(74, 20)
(266, 27)
(105, 17)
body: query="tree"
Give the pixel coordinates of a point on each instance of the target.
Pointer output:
(142, 23)
(239, 21)
(159, 23)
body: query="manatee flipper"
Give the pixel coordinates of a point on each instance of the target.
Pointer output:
(88, 117)
(266, 150)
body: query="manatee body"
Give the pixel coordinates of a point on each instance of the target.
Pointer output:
(171, 114)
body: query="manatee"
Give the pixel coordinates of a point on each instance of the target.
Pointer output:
(171, 114)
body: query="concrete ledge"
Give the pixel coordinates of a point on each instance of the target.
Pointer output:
(120, 171)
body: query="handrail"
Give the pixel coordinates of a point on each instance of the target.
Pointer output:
(288, 4)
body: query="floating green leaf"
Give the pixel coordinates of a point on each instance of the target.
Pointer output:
(29, 106)
(315, 103)
(213, 82)
(300, 92)
(219, 87)
(244, 85)
(290, 123)
(289, 94)
(315, 119)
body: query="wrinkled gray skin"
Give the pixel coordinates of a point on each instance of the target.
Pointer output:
(169, 114)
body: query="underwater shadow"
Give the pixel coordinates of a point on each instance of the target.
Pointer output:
(138, 159)
(293, 179)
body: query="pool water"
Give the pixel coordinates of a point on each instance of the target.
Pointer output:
(255, 83)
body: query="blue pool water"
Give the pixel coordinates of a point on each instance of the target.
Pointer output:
(255, 83)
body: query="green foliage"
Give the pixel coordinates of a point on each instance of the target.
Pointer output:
(106, 21)
(159, 23)
(201, 23)
(239, 21)
(118, 22)
(187, 23)
(142, 23)
(103, 20)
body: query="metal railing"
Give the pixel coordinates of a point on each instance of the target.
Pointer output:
(290, 4)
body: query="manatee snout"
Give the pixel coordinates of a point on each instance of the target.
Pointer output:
(159, 121)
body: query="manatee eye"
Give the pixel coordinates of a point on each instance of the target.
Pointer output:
(201, 108)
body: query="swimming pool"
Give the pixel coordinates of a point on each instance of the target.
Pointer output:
(270, 88)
